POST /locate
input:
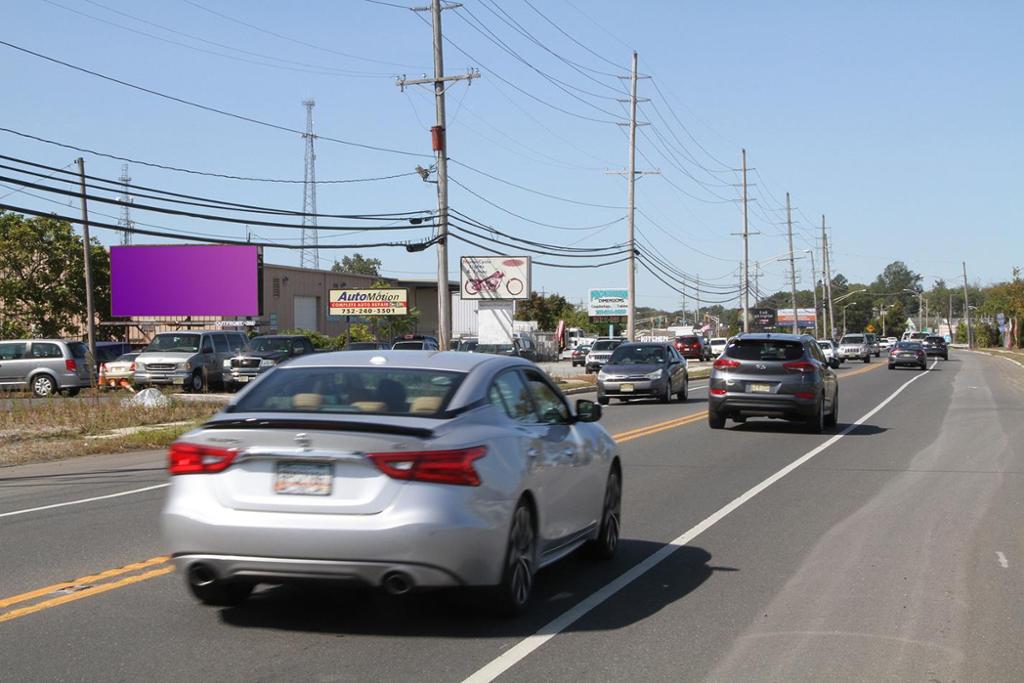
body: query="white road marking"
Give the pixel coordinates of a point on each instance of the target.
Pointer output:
(1003, 562)
(528, 645)
(84, 500)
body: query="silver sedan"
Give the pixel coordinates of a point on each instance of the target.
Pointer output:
(401, 470)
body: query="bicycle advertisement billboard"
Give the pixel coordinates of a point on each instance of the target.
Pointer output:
(494, 277)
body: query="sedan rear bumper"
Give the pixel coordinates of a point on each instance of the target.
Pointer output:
(283, 569)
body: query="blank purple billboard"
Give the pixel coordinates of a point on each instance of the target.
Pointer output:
(184, 280)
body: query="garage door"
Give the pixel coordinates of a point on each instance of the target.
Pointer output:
(305, 312)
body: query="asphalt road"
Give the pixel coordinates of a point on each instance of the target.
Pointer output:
(888, 549)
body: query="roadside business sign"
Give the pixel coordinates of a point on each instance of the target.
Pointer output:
(805, 317)
(608, 303)
(366, 302)
(494, 277)
(765, 317)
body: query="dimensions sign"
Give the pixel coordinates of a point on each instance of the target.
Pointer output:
(604, 303)
(363, 302)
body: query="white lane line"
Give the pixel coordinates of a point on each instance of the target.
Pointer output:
(1003, 562)
(84, 500)
(525, 647)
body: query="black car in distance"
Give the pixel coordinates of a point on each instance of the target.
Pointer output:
(935, 346)
(910, 353)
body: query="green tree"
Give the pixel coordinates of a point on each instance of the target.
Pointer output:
(357, 264)
(42, 279)
(387, 327)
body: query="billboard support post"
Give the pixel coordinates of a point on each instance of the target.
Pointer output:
(90, 313)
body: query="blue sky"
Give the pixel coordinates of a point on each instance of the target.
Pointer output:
(899, 121)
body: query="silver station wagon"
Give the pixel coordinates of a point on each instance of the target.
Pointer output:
(402, 470)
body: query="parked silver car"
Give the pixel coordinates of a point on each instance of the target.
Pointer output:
(44, 366)
(648, 369)
(402, 470)
(781, 376)
(191, 360)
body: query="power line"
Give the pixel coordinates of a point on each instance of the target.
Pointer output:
(530, 220)
(483, 226)
(211, 174)
(197, 105)
(534, 250)
(215, 240)
(535, 262)
(296, 40)
(567, 35)
(533, 191)
(205, 202)
(313, 68)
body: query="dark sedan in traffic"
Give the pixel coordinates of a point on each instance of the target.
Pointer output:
(653, 369)
(908, 353)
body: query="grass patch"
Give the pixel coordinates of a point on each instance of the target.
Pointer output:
(57, 428)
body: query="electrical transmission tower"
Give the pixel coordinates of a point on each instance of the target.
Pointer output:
(125, 222)
(309, 256)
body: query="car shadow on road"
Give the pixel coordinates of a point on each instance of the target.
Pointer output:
(326, 608)
(782, 427)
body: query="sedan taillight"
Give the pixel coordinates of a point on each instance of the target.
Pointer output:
(726, 363)
(191, 458)
(438, 467)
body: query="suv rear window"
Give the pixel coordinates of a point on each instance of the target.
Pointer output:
(765, 349)
(604, 345)
(852, 339)
(78, 349)
(378, 391)
(935, 340)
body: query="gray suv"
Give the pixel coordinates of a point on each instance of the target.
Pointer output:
(191, 360)
(45, 366)
(781, 376)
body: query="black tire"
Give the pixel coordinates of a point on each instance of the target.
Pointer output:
(945, 357)
(891, 366)
(607, 542)
(512, 595)
(867, 358)
(715, 421)
(924, 366)
(832, 419)
(603, 400)
(221, 593)
(816, 423)
(43, 386)
(682, 395)
(72, 392)
(196, 383)
(666, 397)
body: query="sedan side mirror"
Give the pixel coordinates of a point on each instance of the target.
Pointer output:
(587, 411)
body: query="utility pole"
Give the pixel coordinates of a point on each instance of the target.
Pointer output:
(439, 141)
(967, 309)
(757, 282)
(630, 203)
(828, 280)
(792, 263)
(814, 292)
(952, 334)
(746, 251)
(309, 255)
(697, 292)
(90, 314)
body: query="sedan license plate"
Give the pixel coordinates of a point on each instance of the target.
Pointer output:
(303, 478)
(626, 388)
(759, 388)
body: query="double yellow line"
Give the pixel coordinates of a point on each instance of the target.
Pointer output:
(83, 587)
(112, 579)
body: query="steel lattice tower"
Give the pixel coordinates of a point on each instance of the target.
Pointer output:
(310, 255)
(125, 222)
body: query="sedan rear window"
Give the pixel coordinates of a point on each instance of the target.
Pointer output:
(408, 346)
(382, 391)
(764, 349)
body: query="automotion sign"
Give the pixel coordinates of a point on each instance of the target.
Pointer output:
(608, 303)
(364, 302)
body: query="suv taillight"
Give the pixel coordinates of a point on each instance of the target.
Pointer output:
(132, 369)
(70, 364)
(439, 467)
(726, 363)
(800, 366)
(191, 458)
